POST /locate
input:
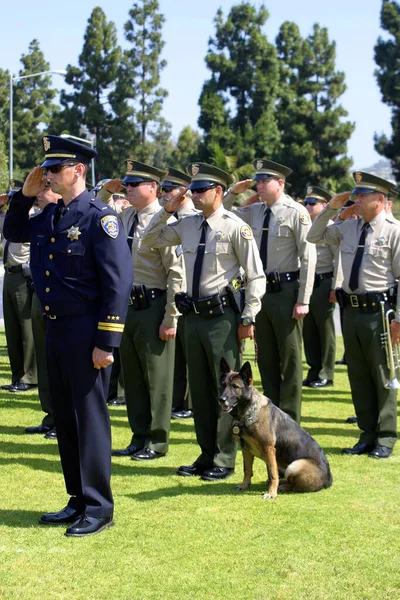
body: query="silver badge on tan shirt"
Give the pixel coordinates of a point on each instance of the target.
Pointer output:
(279, 221)
(382, 240)
(219, 235)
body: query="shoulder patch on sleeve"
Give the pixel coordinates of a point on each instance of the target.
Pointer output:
(245, 207)
(110, 225)
(246, 232)
(305, 219)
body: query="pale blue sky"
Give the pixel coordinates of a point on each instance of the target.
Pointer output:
(354, 24)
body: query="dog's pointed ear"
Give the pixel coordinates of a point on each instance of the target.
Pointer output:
(224, 369)
(246, 374)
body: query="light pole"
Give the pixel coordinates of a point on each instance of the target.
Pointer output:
(12, 79)
(86, 141)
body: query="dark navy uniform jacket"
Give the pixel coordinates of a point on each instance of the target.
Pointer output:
(81, 265)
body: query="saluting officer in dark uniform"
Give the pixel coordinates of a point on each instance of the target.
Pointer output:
(82, 274)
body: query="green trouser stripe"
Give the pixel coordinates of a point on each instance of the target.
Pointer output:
(18, 326)
(148, 367)
(39, 337)
(376, 406)
(319, 333)
(279, 343)
(207, 341)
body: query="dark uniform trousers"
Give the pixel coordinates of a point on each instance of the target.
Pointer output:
(116, 379)
(148, 368)
(376, 406)
(319, 333)
(207, 341)
(279, 343)
(79, 393)
(181, 393)
(18, 327)
(39, 337)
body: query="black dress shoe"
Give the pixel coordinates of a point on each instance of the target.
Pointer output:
(89, 526)
(22, 387)
(51, 435)
(66, 515)
(147, 454)
(342, 361)
(381, 452)
(194, 469)
(351, 420)
(359, 448)
(306, 382)
(217, 474)
(37, 429)
(8, 386)
(181, 414)
(319, 383)
(118, 401)
(128, 451)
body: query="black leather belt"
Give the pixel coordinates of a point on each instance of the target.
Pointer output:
(141, 296)
(274, 280)
(11, 270)
(368, 302)
(291, 276)
(211, 306)
(320, 276)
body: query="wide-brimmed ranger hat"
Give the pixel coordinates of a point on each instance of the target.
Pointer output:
(59, 150)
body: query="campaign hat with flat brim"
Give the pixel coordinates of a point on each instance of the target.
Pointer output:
(367, 183)
(203, 174)
(59, 150)
(137, 171)
(268, 169)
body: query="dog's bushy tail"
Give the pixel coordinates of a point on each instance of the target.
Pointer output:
(306, 475)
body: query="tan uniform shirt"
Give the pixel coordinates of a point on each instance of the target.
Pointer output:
(229, 246)
(18, 254)
(380, 267)
(288, 249)
(154, 267)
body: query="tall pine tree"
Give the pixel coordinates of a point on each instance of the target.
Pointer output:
(144, 32)
(237, 102)
(387, 57)
(86, 109)
(311, 120)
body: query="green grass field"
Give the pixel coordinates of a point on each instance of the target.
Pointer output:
(177, 538)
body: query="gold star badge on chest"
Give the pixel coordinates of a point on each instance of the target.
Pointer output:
(73, 233)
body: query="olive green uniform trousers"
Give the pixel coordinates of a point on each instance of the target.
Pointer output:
(39, 337)
(18, 325)
(279, 344)
(319, 333)
(181, 396)
(207, 341)
(376, 406)
(148, 369)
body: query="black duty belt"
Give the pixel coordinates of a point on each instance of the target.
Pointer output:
(368, 302)
(142, 296)
(274, 280)
(11, 270)
(208, 307)
(321, 276)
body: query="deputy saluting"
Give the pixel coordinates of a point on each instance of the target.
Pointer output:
(82, 274)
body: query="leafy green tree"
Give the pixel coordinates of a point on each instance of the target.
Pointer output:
(4, 179)
(237, 102)
(187, 148)
(314, 134)
(86, 109)
(144, 32)
(387, 57)
(32, 110)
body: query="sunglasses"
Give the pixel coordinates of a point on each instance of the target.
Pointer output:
(58, 168)
(309, 203)
(135, 184)
(168, 188)
(205, 188)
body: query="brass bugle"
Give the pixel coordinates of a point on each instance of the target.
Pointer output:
(392, 352)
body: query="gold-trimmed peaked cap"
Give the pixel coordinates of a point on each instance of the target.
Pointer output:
(317, 194)
(137, 171)
(174, 177)
(366, 183)
(268, 169)
(59, 150)
(202, 174)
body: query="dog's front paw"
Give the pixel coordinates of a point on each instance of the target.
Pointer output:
(270, 496)
(242, 487)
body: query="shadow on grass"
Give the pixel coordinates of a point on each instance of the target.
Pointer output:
(20, 518)
(42, 447)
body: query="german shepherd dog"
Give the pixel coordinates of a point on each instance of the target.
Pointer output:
(264, 431)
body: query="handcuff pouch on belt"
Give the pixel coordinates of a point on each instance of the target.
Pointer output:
(273, 282)
(139, 297)
(236, 294)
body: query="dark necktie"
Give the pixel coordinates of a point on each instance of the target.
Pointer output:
(355, 269)
(132, 231)
(176, 215)
(5, 252)
(199, 262)
(264, 239)
(61, 211)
